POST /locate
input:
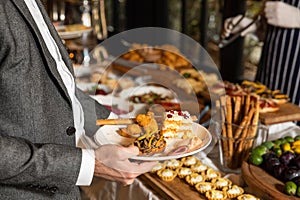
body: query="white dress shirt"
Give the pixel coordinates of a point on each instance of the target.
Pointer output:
(88, 156)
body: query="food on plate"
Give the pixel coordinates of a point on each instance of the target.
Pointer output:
(110, 80)
(150, 137)
(150, 98)
(150, 141)
(268, 105)
(145, 130)
(177, 124)
(215, 195)
(168, 56)
(195, 81)
(167, 174)
(194, 178)
(233, 191)
(265, 92)
(270, 100)
(186, 145)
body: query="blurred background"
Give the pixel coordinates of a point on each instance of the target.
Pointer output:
(199, 19)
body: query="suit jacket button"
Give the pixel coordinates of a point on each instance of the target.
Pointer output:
(53, 190)
(70, 130)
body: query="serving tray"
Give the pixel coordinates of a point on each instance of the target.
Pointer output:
(286, 113)
(264, 185)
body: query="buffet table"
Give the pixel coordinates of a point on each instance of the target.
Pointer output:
(150, 186)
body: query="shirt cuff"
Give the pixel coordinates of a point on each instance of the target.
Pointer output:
(87, 167)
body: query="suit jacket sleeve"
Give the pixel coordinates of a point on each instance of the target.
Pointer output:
(24, 163)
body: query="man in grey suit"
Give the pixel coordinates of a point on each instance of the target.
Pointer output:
(44, 119)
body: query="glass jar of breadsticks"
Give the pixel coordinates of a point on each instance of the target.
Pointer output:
(240, 130)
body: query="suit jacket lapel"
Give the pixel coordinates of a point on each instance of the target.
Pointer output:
(50, 61)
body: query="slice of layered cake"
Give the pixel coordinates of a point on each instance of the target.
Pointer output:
(177, 124)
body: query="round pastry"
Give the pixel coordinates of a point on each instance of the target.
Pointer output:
(194, 178)
(173, 164)
(211, 174)
(182, 172)
(247, 197)
(189, 161)
(167, 174)
(203, 187)
(199, 167)
(215, 195)
(157, 167)
(220, 182)
(233, 191)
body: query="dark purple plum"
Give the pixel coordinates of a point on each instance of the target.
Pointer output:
(278, 171)
(269, 164)
(290, 173)
(286, 157)
(295, 162)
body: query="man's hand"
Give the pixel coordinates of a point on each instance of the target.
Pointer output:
(282, 14)
(112, 163)
(232, 26)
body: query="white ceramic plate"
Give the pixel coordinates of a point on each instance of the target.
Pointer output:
(164, 92)
(108, 135)
(76, 31)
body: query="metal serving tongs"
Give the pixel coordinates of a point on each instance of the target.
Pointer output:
(228, 40)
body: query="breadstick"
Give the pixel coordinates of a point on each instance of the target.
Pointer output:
(229, 125)
(238, 132)
(241, 144)
(237, 109)
(247, 104)
(100, 122)
(254, 125)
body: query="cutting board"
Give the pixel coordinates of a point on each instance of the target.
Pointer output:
(264, 185)
(286, 113)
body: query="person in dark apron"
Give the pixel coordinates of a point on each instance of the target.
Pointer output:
(279, 67)
(280, 60)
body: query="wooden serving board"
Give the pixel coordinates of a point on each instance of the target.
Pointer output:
(264, 185)
(173, 190)
(286, 113)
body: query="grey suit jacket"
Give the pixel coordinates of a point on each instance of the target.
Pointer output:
(39, 159)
